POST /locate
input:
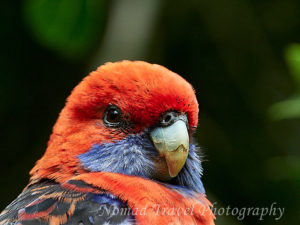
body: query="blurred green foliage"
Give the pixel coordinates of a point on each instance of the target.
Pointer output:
(292, 56)
(290, 108)
(284, 168)
(286, 109)
(70, 28)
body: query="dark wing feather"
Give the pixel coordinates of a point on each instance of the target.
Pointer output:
(73, 202)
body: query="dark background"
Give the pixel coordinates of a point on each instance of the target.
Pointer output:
(241, 56)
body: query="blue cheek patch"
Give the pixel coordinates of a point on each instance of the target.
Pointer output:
(135, 156)
(132, 156)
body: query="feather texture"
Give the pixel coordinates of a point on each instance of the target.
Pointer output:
(73, 202)
(92, 173)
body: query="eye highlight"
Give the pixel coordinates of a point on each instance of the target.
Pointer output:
(112, 116)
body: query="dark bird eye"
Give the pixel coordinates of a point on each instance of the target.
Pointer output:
(112, 116)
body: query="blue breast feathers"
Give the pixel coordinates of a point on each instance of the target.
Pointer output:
(135, 156)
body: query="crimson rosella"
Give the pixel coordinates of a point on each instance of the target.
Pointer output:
(121, 152)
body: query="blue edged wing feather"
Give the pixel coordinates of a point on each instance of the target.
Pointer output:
(74, 202)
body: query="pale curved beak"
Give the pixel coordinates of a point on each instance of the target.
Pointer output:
(172, 143)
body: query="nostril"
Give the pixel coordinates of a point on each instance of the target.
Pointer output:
(168, 118)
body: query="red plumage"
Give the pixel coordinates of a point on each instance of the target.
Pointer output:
(143, 91)
(127, 84)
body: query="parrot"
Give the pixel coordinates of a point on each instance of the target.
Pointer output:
(120, 152)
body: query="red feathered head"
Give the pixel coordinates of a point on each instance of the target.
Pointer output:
(117, 102)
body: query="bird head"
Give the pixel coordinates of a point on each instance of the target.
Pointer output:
(126, 117)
